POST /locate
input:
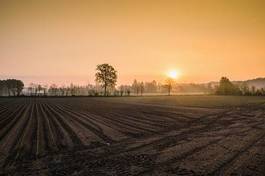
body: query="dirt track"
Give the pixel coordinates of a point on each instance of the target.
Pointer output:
(86, 136)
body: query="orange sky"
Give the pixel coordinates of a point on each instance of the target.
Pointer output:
(63, 41)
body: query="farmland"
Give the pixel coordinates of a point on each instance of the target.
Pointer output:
(177, 135)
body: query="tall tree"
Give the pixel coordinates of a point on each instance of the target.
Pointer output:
(2, 87)
(227, 88)
(106, 75)
(14, 86)
(19, 87)
(45, 87)
(262, 91)
(53, 90)
(141, 88)
(253, 90)
(135, 87)
(169, 84)
(10, 86)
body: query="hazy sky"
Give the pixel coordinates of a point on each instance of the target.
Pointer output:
(63, 41)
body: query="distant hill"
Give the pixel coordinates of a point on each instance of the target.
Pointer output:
(258, 82)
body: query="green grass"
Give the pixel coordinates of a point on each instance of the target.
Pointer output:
(193, 100)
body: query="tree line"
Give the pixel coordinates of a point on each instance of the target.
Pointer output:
(226, 87)
(106, 79)
(11, 87)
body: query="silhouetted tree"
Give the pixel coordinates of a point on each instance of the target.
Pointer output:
(10, 86)
(141, 88)
(72, 89)
(122, 89)
(253, 90)
(39, 89)
(20, 87)
(14, 87)
(227, 88)
(106, 75)
(135, 87)
(89, 89)
(258, 92)
(128, 92)
(169, 84)
(262, 91)
(3, 88)
(45, 87)
(30, 89)
(53, 90)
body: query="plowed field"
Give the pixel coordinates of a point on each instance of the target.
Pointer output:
(108, 136)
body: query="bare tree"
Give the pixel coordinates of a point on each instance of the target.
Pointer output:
(169, 84)
(39, 89)
(141, 88)
(45, 87)
(135, 87)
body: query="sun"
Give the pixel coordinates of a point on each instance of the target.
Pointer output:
(173, 74)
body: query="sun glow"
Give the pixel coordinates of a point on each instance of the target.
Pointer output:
(174, 74)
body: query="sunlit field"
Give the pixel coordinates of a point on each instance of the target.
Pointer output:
(158, 135)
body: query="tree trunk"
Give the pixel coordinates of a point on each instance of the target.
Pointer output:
(105, 89)
(169, 90)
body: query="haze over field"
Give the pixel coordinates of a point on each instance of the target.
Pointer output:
(132, 87)
(63, 41)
